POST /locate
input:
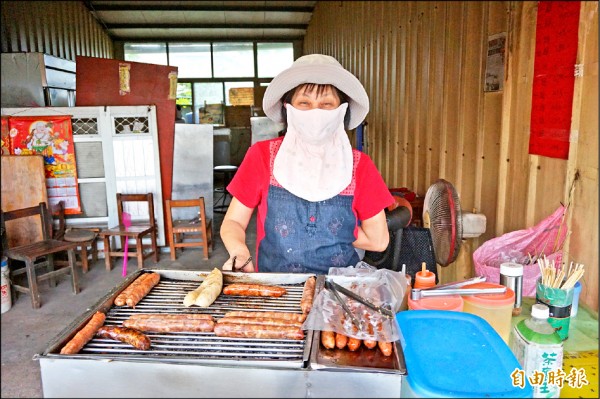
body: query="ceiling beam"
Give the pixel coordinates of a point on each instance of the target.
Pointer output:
(204, 26)
(192, 7)
(200, 38)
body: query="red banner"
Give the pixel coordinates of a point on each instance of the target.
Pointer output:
(553, 78)
(52, 137)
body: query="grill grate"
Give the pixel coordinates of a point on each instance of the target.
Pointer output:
(167, 297)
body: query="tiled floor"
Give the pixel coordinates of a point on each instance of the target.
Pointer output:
(27, 331)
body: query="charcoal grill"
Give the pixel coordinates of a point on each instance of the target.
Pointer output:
(204, 365)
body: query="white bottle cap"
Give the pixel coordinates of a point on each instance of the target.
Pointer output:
(540, 311)
(511, 269)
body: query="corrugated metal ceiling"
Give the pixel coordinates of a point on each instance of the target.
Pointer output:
(203, 20)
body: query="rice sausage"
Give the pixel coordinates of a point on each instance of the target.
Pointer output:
(231, 330)
(308, 294)
(240, 289)
(274, 315)
(268, 321)
(84, 335)
(157, 322)
(130, 336)
(138, 289)
(328, 339)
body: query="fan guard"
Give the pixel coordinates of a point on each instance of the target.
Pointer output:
(442, 216)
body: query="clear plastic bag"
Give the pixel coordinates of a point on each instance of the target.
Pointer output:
(381, 287)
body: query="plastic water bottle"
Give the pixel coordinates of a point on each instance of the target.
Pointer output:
(539, 349)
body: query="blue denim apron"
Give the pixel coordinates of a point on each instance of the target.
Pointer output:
(307, 237)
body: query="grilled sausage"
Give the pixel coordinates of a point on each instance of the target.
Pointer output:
(254, 290)
(268, 321)
(84, 335)
(130, 336)
(158, 322)
(138, 289)
(369, 343)
(274, 315)
(231, 330)
(328, 339)
(340, 340)
(353, 343)
(308, 294)
(385, 347)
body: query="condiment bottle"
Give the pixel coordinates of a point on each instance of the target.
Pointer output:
(424, 278)
(539, 349)
(511, 276)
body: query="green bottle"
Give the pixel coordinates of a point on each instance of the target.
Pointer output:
(539, 349)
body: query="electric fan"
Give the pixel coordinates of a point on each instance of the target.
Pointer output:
(442, 215)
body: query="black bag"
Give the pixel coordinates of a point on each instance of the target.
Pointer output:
(410, 246)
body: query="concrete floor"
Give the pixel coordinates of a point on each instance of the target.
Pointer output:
(27, 331)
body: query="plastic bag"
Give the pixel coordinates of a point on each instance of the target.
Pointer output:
(518, 246)
(381, 287)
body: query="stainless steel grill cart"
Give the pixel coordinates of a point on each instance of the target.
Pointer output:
(204, 365)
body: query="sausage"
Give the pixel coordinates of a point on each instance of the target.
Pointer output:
(328, 339)
(369, 343)
(84, 335)
(385, 347)
(353, 343)
(157, 322)
(231, 330)
(274, 315)
(340, 340)
(267, 321)
(130, 336)
(254, 290)
(308, 294)
(138, 289)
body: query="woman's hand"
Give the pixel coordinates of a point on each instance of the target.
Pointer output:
(239, 264)
(233, 234)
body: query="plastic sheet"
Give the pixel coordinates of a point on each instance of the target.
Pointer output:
(383, 287)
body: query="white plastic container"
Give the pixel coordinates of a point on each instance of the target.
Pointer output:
(5, 286)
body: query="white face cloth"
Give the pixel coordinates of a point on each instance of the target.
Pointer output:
(315, 159)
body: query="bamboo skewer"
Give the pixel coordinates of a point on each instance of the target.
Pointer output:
(559, 277)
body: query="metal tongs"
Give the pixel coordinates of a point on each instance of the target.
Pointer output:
(454, 289)
(334, 288)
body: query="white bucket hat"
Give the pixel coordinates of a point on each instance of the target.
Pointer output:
(319, 69)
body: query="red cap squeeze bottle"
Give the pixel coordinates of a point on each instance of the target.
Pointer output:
(424, 278)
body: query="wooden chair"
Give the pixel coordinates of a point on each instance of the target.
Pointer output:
(190, 232)
(137, 231)
(38, 254)
(84, 237)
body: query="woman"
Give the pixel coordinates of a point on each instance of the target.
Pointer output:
(318, 200)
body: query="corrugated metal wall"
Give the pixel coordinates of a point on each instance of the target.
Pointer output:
(63, 29)
(423, 66)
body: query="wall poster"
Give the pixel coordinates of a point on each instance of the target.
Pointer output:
(51, 137)
(557, 32)
(494, 66)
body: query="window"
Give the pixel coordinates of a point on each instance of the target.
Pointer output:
(192, 60)
(150, 53)
(208, 103)
(233, 60)
(273, 58)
